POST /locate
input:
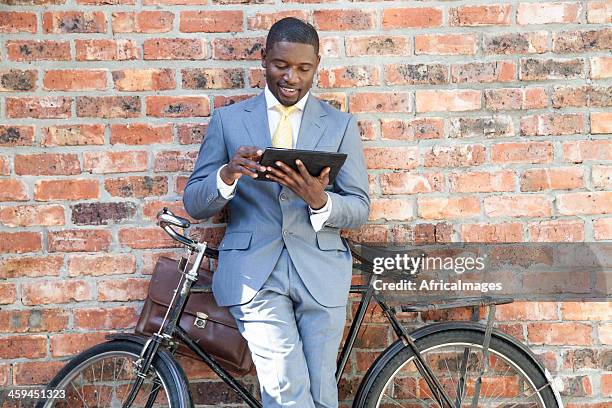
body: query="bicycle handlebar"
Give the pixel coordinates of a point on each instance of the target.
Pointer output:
(166, 219)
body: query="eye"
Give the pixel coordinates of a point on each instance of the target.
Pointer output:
(279, 66)
(305, 69)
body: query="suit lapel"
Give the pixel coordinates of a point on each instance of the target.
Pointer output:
(256, 122)
(313, 124)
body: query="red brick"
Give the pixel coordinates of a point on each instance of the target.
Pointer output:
(601, 177)
(599, 12)
(552, 124)
(400, 158)
(412, 129)
(482, 182)
(343, 20)
(605, 333)
(560, 333)
(140, 134)
(174, 2)
(517, 205)
(175, 161)
(36, 372)
(101, 264)
(503, 232)
(75, 80)
(410, 183)
(122, 291)
(47, 164)
(220, 21)
(79, 240)
(32, 215)
(144, 79)
(143, 22)
(454, 156)
(229, 49)
(4, 171)
(179, 184)
(62, 291)
(105, 2)
(411, 17)
(587, 311)
(33, 320)
(111, 318)
(49, 107)
(137, 186)
(552, 178)
(15, 80)
(583, 150)
(151, 208)
(489, 126)
(20, 242)
(521, 311)
(556, 231)
(108, 106)
(532, 69)
(178, 106)
(601, 122)
(496, 71)
(23, 347)
(516, 43)
(114, 162)
(380, 102)
(410, 74)
(32, 50)
(213, 78)
(380, 45)
(606, 385)
(348, 76)
(595, 202)
(391, 209)
(548, 13)
(529, 152)
(22, 266)
(68, 344)
(73, 189)
(146, 238)
(264, 21)
(225, 100)
(16, 22)
(12, 136)
(13, 190)
(582, 41)
(191, 133)
(175, 49)
(60, 22)
(480, 15)
(447, 100)
(442, 208)
(72, 135)
(445, 44)
(8, 293)
(602, 228)
(107, 50)
(601, 67)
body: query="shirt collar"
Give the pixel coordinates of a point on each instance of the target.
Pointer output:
(271, 100)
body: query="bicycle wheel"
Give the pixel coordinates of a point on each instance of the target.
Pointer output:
(102, 377)
(509, 379)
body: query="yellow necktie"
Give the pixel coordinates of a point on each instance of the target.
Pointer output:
(283, 135)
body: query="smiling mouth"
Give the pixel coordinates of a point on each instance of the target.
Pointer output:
(288, 91)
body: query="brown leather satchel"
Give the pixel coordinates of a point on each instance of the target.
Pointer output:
(210, 325)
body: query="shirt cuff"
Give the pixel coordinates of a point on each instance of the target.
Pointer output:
(318, 217)
(226, 190)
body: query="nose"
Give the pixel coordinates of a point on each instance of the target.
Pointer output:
(290, 77)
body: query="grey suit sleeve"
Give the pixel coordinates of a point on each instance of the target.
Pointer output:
(201, 197)
(350, 199)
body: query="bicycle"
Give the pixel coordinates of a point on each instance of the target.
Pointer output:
(447, 364)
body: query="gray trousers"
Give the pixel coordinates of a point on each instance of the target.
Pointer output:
(294, 340)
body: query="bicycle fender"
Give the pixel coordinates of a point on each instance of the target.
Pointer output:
(419, 333)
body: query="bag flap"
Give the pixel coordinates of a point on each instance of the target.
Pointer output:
(165, 280)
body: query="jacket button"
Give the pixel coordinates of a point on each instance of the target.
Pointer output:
(286, 233)
(283, 196)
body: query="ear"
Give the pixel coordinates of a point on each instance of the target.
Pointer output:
(263, 57)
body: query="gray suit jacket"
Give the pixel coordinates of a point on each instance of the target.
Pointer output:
(264, 216)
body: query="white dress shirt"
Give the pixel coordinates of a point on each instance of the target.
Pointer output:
(317, 217)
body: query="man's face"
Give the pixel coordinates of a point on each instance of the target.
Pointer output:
(290, 68)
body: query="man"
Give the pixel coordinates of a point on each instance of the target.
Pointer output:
(283, 268)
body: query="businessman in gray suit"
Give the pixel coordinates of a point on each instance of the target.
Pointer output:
(284, 271)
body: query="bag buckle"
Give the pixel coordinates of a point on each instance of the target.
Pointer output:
(200, 321)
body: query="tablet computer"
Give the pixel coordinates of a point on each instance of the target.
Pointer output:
(314, 160)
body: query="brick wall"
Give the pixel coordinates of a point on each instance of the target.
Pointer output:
(481, 121)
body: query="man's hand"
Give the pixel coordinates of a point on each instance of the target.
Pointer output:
(244, 162)
(309, 188)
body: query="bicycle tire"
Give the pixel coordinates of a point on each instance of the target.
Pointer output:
(459, 338)
(176, 387)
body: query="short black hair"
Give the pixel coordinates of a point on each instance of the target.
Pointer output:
(291, 29)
